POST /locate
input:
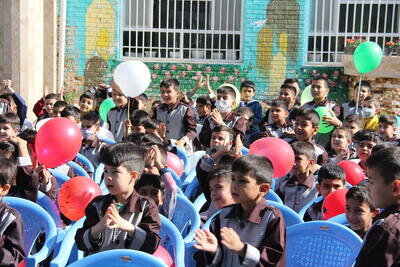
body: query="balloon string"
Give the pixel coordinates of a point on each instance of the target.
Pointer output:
(358, 95)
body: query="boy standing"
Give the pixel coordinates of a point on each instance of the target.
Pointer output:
(280, 127)
(349, 108)
(247, 92)
(250, 232)
(370, 114)
(122, 219)
(381, 244)
(365, 141)
(387, 127)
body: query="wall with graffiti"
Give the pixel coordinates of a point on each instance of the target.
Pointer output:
(274, 48)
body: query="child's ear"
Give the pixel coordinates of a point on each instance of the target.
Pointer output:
(311, 162)
(396, 187)
(4, 189)
(375, 212)
(315, 130)
(264, 188)
(134, 175)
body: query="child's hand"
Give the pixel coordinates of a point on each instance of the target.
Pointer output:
(157, 158)
(206, 241)
(207, 84)
(180, 143)
(162, 131)
(200, 83)
(115, 221)
(238, 146)
(231, 240)
(216, 117)
(5, 84)
(344, 154)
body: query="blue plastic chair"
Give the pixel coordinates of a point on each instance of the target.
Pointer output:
(176, 177)
(273, 197)
(189, 178)
(186, 162)
(98, 174)
(119, 257)
(302, 212)
(192, 188)
(186, 218)
(245, 151)
(85, 161)
(46, 203)
(321, 243)
(340, 219)
(60, 177)
(107, 141)
(289, 215)
(172, 241)
(199, 202)
(36, 220)
(79, 170)
(68, 251)
(207, 224)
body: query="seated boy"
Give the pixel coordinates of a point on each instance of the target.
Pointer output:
(298, 187)
(87, 103)
(359, 209)
(72, 113)
(49, 101)
(58, 107)
(141, 101)
(387, 127)
(352, 123)
(137, 121)
(250, 232)
(381, 244)
(11, 225)
(122, 219)
(340, 145)
(365, 141)
(247, 115)
(280, 127)
(203, 108)
(247, 93)
(349, 108)
(223, 115)
(330, 178)
(370, 114)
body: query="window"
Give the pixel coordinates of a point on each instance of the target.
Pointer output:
(332, 22)
(191, 30)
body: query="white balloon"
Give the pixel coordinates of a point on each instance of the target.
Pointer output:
(133, 77)
(40, 123)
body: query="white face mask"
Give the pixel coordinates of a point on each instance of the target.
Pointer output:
(87, 134)
(367, 112)
(223, 106)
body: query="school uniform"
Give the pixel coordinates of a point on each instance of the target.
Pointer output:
(253, 131)
(274, 130)
(371, 123)
(294, 194)
(349, 108)
(26, 184)
(91, 150)
(11, 240)
(263, 232)
(381, 246)
(116, 118)
(141, 212)
(314, 212)
(320, 152)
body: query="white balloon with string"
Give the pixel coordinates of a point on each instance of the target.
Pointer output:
(133, 77)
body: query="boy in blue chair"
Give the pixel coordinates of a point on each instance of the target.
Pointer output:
(330, 178)
(250, 232)
(122, 219)
(11, 229)
(381, 243)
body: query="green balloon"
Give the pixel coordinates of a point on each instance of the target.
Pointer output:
(322, 112)
(367, 57)
(105, 107)
(306, 95)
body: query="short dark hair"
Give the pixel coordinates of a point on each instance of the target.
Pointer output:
(367, 135)
(127, 155)
(259, 167)
(363, 84)
(353, 118)
(387, 162)
(279, 104)
(60, 104)
(142, 97)
(101, 94)
(224, 128)
(51, 96)
(248, 83)
(322, 79)
(227, 90)
(382, 146)
(224, 173)
(388, 119)
(360, 193)
(10, 118)
(243, 111)
(347, 132)
(151, 124)
(89, 96)
(203, 100)
(309, 115)
(135, 138)
(331, 172)
(138, 117)
(304, 148)
(71, 110)
(170, 82)
(155, 102)
(289, 87)
(150, 179)
(8, 171)
(91, 116)
(374, 100)
(10, 147)
(291, 80)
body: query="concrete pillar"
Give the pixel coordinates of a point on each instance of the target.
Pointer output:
(22, 46)
(50, 45)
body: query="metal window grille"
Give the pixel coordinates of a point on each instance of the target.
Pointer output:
(183, 30)
(332, 22)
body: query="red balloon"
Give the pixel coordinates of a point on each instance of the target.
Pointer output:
(334, 204)
(57, 142)
(354, 173)
(175, 163)
(75, 194)
(163, 255)
(278, 151)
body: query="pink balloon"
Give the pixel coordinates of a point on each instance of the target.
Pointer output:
(278, 151)
(175, 163)
(57, 142)
(334, 204)
(163, 255)
(354, 173)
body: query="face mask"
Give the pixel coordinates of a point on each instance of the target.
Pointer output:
(223, 106)
(367, 112)
(87, 133)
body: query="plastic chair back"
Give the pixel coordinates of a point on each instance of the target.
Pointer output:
(185, 159)
(199, 202)
(107, 141)
(46, 203)
(273, 197)
(60, 177)
(289, 215)
(195, 157)
(98, 174)
(36, 220)
(303, 210)
(192, 188)
(78, 169)
(321, 243)
(172, 241)
(176, 177)
(340, 219)
(189, 178)
(186, 218)
(207, 224)
(85, 161)
(119, 257)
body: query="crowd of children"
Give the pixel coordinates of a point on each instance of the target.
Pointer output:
(247, 231)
